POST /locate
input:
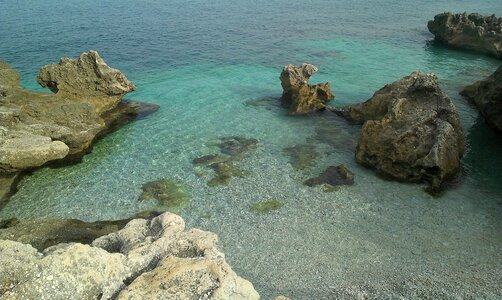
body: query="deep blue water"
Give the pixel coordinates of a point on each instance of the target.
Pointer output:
(201, 61)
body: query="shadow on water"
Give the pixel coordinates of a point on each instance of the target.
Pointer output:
(483, 161)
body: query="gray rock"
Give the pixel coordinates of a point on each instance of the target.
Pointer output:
(298, 95)
(411, 131)
(469, 31)
(147, 259)
(487, 95)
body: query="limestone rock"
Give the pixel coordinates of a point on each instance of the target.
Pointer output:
(88, 79)
(411, 131)
(298, 95)
(487, 94)
(147, 259)
(469, 31)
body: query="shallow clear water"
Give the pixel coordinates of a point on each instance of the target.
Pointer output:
(204, 63)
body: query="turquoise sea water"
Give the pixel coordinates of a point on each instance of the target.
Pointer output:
(203, 63)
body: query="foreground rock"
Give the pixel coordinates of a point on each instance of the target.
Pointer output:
(487, 94)
(473, 32)
(411, 131)
(37, 128)
(298, 95)
(147, 259)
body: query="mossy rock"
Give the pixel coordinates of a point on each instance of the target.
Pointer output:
(235, 146)
(210, 159)
(263, 207)
(224, 172)
(302, 157)
(168, 192)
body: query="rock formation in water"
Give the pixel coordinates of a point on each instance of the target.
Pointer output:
(147, 259)
(86, 79)
(38, 127)
(469, 31)
(487, 94)
(411, 131)
(298, 95)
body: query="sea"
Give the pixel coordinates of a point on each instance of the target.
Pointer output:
(213, 67)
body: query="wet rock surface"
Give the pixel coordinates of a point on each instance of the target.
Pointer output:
(298, 95)
(411, 131)
(487, 95)
(333, 175)
(147, 259)
(469, 31)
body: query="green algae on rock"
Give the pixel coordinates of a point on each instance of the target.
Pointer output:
(232, 149)
(168, 192)
(263, 207)
(302, 156)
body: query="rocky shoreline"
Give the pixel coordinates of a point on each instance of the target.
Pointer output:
(39, 129)
(146, 259)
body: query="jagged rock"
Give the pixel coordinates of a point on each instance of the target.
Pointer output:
(469, 31)
(8, 185)
(147, 259)
(333, 176)
(487, 94)
(298, 95)
(411, 131)
(86, 79)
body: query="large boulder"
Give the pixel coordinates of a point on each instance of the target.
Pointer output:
(487, 94)
(86, 79)
(469, 31)
(298, 95)
(411, 131)
(147, 259)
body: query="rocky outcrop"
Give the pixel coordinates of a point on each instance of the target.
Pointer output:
(37, 128)
(411, 131)
(86, 79)
(487, 94)
(298, 95)
(147, 259)
(469, 31)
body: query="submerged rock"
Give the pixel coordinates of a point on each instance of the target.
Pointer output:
(223, 164)
(169, 193)
(298, 95)
(86, 79)
(333, 176)
(263, 207)
(302, 156)
(44, 233)
(487, 94)
(411, 131)
(147, 259)
(469, 31)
